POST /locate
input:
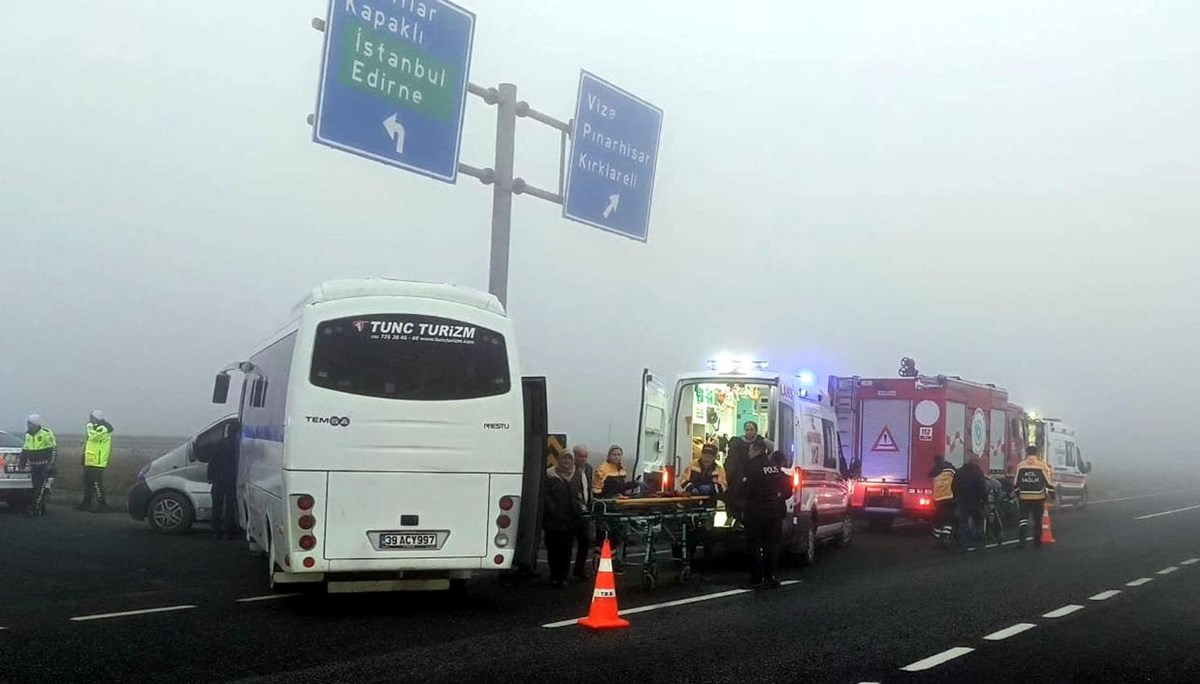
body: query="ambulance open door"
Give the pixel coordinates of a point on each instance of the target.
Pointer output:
(651, 453)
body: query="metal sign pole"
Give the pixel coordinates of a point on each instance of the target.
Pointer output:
(502, 190)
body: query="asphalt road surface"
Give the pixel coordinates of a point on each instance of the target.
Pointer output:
(96, 598)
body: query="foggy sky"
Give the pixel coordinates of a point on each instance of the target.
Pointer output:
(1005, 191)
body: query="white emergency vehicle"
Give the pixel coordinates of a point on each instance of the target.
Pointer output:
(790, 412)
(382, 442)
(1059, 445)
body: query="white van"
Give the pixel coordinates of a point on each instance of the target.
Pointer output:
(790, 412)
(172, 492)
(381, 438)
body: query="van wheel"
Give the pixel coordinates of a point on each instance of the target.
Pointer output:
(170, 513)
(847, 532)
(806, 553)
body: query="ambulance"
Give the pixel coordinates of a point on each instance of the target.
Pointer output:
(791, 412)
(893, 428)
(1059, 445)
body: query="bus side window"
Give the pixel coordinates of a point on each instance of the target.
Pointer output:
(831, 444)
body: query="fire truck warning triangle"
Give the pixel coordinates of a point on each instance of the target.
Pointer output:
(885, 441)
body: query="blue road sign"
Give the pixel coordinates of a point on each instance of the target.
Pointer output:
(614, 151)
(394, 82)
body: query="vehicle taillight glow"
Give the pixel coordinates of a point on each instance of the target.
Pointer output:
(309, 562)
(797, 479)
(306, 522)
(305, 502)
(924, 502)
(307, 542)
(506, 503)
(666, 480)
(503, 522)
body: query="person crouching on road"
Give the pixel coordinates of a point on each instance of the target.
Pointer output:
(96, 452)
(943, 498)
(38, 453)
(560, 516)
(765, 487)
(1034, 483)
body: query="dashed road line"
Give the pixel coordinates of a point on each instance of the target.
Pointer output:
(1139, 582)
(266, 597)
(1104, 595)
(1177, 510)
(1190, 561)
(670, 604)
(127, 613)
(1063, 612)
(1167, 570)
(935, 660)
(1010, 631)
(1131, 498)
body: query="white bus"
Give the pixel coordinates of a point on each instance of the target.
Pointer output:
(382, 441)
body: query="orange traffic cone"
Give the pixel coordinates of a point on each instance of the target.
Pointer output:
(603, 614)
(1047, 535)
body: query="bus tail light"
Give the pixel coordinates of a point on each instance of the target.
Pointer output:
(506, 503)
(306, 522)
(305, 502)
(307, 542)
(503, 521)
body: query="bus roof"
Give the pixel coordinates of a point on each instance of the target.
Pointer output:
(331, 290)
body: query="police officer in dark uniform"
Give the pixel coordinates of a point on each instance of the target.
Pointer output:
(764, 490)
(222, 473)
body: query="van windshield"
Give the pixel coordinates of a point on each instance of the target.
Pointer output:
(417, 358)
(716, 412)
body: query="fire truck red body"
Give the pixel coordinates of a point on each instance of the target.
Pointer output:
(891, 429)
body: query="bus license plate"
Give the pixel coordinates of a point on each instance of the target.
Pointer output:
(408, 540)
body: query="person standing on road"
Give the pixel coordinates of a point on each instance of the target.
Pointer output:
(1034, 483)
(39, 453)
(970, 494)
(96, 451)
(582, 484)
(560, 516)
(736, 460)
(943, 498)
(222, 473)
(764, 487)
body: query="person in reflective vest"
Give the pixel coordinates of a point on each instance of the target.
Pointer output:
(96, 451)
(943, 498)
(38, 453)
(1034, 483)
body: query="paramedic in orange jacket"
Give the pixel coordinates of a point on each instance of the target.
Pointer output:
(1034, 483)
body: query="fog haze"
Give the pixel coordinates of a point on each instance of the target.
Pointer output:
(1004, 191)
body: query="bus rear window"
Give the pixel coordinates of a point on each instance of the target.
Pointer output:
(418, 358)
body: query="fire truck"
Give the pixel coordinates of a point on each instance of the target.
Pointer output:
(892, 428)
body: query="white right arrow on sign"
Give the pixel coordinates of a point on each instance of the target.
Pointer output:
(613, 201)
(395, 130)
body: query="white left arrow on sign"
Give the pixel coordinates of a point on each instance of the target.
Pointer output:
(395, 130)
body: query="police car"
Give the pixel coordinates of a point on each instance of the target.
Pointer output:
(16, 484)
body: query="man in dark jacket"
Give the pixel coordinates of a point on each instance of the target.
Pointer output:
(560, 516)
(736, 460)
(222, 473)
(764, 489)
(970, 494)
(582, 483)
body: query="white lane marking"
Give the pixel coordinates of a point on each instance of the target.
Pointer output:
(1177, 510)
(266, 597)
(935, 660)
(1167, 571)
(1010, 631)
(127, 613)
(1131, 498)
(669, 604)
(1063, 612)
(1190, 561)
(993, 546)
(1139, 582)
(1104, 595)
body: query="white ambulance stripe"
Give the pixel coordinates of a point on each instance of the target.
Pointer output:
(1139, 582)
(1063, 612)
(1010, 631)
(1104, 595)
(606, 565)
(1177, 510)
(935, 660)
